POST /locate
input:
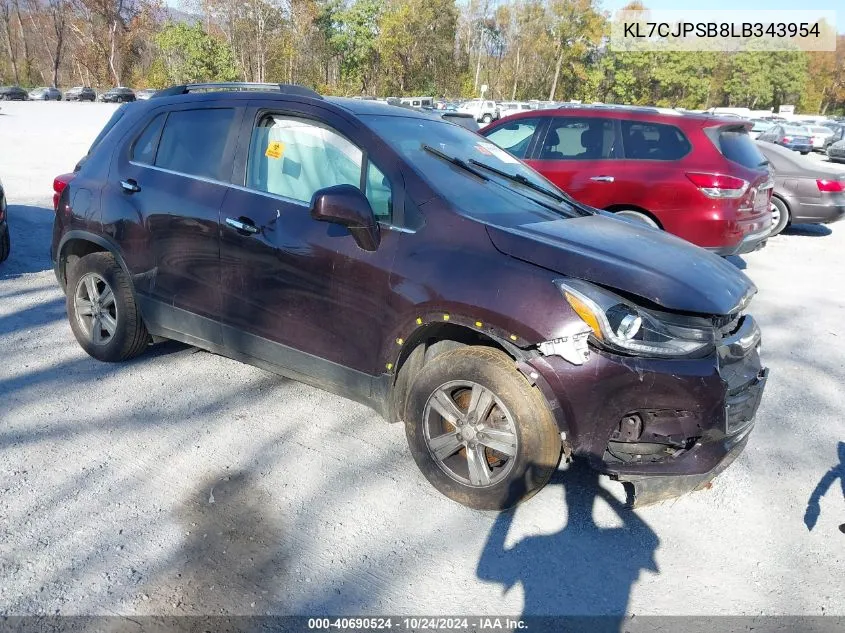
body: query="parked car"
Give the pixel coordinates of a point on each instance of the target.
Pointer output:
(838, 135)
(794, 137)
(819, 135)
(484, 111)
(805, 191)
(81, 93)
(758, 127)
(146, 93)
(45, 93)
(836, 152)
(5, 241)
(506, 108)
(694, 175)
(418, 102)
(351, 245)
(13, 93)
(118, 95)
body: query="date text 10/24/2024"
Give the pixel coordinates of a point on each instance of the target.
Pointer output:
(417, 624)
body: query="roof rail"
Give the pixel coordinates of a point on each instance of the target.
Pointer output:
(291, 89)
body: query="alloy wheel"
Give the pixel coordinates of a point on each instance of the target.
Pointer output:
(96, 309)
(470, 433)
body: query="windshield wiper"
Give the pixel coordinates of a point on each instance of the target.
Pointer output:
(455, 161)
(520, 179)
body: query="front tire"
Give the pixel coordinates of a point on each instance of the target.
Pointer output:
(486, 119)
(102, 311)
(780, 216)
(478, 431)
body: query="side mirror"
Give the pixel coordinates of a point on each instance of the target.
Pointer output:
(347, 206)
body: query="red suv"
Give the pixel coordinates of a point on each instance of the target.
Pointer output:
(697, 176)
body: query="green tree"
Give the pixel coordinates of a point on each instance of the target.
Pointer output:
(416, 45)
(191, 55)
(355, 38)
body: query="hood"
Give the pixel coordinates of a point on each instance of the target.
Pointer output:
(633, 259)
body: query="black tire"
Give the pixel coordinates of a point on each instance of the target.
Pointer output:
(486, 118)
(5, 245)
(804, 153)
(130, 336)
(784, 216)
(538, 447)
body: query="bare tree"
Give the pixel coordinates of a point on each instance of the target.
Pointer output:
(8, 36)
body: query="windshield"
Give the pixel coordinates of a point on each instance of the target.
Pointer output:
(761, 126)
(793, 129)
(472, 189)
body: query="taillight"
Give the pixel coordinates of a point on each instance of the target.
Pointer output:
(831, 186)
(787, 139)
(719, 185)
(59, 184)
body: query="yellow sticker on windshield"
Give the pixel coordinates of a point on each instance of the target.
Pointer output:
(275, 149)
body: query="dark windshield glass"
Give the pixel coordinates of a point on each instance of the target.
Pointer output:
(737, 146)
(495, 200)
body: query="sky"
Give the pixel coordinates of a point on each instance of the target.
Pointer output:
(723, 5)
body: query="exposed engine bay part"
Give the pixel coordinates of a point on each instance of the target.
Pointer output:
(573, 348)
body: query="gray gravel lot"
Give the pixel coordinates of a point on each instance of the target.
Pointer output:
(186, 483)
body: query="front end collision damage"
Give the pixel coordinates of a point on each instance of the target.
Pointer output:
(662, 427)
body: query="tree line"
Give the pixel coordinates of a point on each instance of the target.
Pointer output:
(519, 49)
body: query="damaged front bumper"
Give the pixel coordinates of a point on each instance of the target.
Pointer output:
(661, 427)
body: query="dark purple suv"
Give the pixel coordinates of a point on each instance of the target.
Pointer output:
(405, 262)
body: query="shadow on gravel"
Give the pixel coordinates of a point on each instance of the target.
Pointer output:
(79, 371)
(583, 569)
(31, 232)
(36, 316)
(811, 516)
(808, 230)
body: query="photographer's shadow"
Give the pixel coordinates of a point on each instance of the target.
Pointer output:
(582, 570)
(811, 516)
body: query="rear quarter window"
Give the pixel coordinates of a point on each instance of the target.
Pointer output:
(653, 141)
(735, 145)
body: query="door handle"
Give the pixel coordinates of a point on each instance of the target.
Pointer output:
(243, 227)
(129, 186)
(602, 178)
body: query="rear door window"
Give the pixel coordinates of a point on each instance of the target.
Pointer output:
(515, 137)
(736, 145)
(192, 142)
(653, 141)
(579, 138)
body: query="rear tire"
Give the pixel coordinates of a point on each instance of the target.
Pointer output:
(488, 403)
(804, 153)
(5, 245)
(780, 216)
(639, 217)
(102, 311)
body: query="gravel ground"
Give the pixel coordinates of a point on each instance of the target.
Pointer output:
(186, 483)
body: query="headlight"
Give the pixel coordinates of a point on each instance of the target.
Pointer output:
(622, 326)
